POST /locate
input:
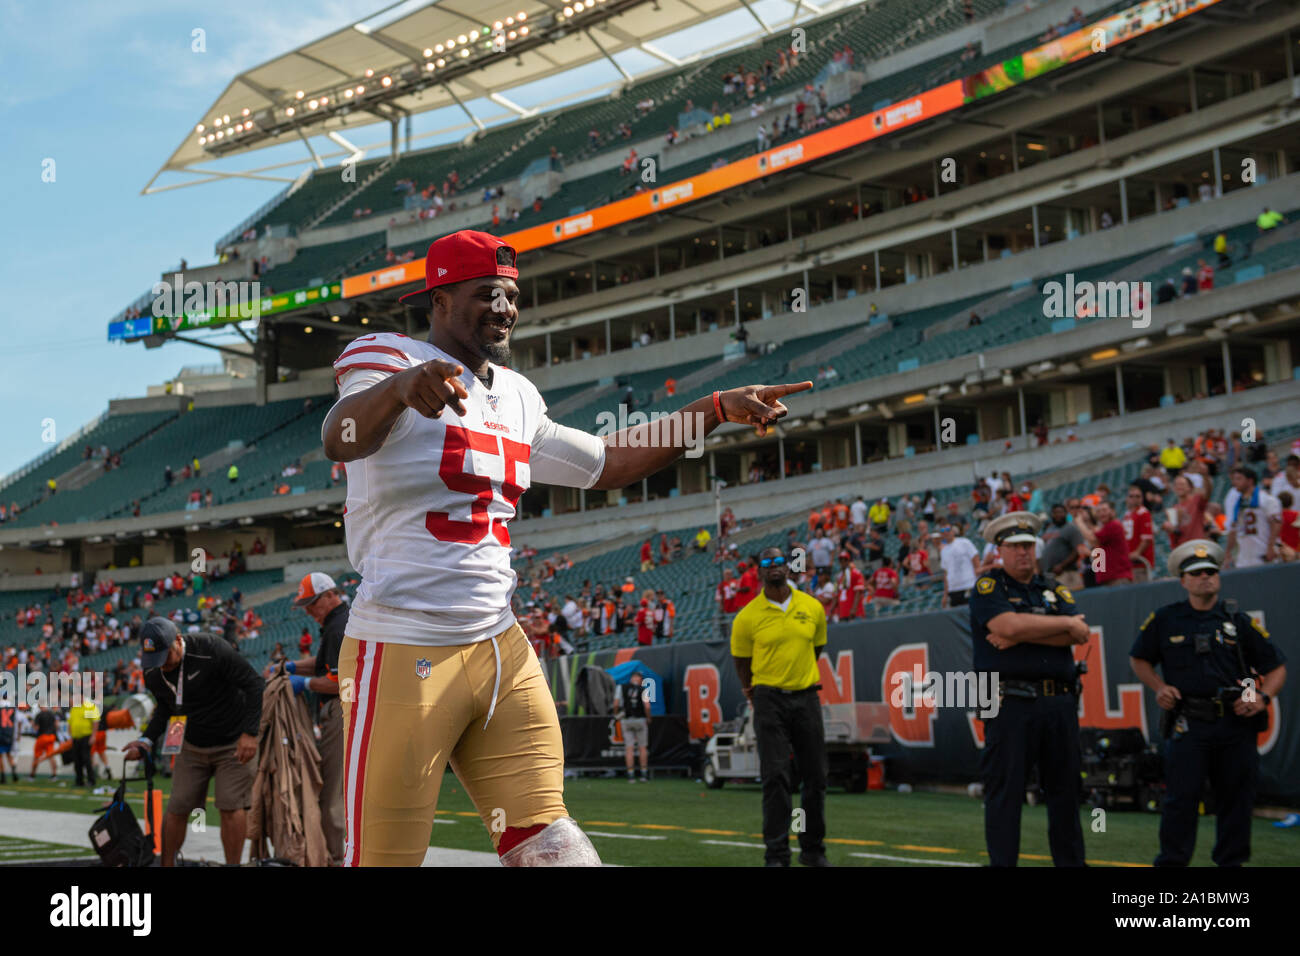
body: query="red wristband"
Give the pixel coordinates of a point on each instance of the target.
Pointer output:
(717, 407)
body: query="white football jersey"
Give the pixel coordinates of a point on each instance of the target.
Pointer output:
(1254, 526)
(427, 514)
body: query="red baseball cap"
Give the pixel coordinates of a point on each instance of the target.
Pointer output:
(466, 255)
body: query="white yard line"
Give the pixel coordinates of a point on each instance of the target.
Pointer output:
(911, 859)
(624, 836)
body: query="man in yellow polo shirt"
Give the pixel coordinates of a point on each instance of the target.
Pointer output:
(1173, 458)
(775, 641)
(81, 725)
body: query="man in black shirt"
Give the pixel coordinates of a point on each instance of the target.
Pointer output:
(1023, 627)
(1218, 672)
(46, 725)
(209, 701)
(8, 734)
(635, 714)
(319, 597)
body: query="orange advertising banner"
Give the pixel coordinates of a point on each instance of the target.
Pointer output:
(388, 277)
(897, 116)
(1137, 20)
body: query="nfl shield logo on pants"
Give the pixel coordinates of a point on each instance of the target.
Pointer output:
(423, 668)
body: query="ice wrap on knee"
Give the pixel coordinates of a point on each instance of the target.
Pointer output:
(562, 843)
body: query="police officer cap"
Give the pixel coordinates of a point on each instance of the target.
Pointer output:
(1014, 528)
(1194, 555)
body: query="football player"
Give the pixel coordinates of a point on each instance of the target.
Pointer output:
(441, 440)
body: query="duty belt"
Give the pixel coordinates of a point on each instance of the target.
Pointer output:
(1208, 708)
(1046, 687)
(782, 690)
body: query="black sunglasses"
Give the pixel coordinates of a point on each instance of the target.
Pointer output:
(1203, 572)
(768, 562)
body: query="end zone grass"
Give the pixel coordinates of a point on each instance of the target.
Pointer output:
(678, 822)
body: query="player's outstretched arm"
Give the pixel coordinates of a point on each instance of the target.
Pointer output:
(359, 424)
(641, 450)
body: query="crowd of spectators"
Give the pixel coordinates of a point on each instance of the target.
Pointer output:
(1075, 21)
(858, 555)
(78, 621)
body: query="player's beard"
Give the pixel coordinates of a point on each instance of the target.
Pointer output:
(498, 353)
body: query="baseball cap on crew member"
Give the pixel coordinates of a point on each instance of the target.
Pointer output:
(1194, 556)
(156, 639)
(1015, 528)
(313, 586)
(465, 255)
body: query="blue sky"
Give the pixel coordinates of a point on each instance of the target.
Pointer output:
(107, 91)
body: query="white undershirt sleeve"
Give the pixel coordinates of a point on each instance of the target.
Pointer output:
(565, 456)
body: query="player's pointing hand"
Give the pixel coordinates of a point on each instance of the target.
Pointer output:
(759, 405)
(431, 387)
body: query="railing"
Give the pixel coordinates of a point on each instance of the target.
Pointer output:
(45, 456)
(262, 210)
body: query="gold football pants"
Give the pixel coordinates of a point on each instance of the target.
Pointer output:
(409, 709)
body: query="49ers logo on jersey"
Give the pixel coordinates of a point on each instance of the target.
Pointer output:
(458, 442)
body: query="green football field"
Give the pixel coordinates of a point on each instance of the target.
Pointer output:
(679, 822)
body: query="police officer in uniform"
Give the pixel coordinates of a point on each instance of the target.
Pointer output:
(1214, 700)
(1023, 626)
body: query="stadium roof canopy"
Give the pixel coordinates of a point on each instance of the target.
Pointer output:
(420, 49)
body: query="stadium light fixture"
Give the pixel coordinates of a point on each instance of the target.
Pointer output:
(441, 62)
(289, 111)
(428, 52)
(199, 128)
(307, 329)
(462, 39)
(369, 74)
(386, 81)
(914, 399)
(1136, 344)
(523, 31)
(299, 94)
(1103, 355)
(246, 111)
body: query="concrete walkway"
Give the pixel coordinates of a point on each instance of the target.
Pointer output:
(72, 829)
